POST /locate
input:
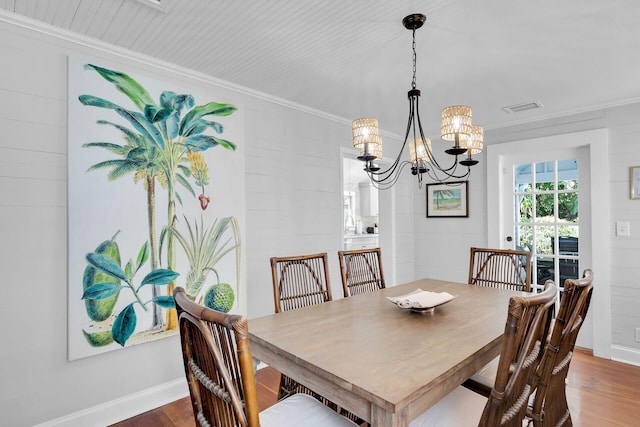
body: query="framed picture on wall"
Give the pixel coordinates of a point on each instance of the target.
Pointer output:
(635, 182)
(448, 200)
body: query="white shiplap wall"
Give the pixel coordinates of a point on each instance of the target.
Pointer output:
(293, 205)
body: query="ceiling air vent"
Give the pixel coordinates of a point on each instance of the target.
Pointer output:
(523, 107)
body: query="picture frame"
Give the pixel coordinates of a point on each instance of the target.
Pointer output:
(634, 182)
(450, 200)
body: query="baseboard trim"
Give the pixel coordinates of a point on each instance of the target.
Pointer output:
(627, 355)
(123, 408)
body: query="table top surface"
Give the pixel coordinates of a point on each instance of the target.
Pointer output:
(387, 354)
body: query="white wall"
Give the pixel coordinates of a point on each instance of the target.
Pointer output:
(293, 201)
(442, 244)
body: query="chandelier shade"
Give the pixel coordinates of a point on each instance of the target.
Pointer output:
(420, 150)
(475, 144)
(456, 123)
(456, 126)
(366, 138)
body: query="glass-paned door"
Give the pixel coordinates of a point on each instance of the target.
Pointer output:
(546, 218)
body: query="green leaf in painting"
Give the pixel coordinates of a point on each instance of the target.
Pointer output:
(101, 290)
(125, 84)
(160, 276)
(212, 108)
(165, 301)
(114, 148)
(143, 255)
(128, 132)
(128, 269)
(214, 125)
(124, 325)
(142, 125)
(106, 164)
(156, 114)
(171, 125)
(204, 142)
(185, 171)
(199, 126)
(105, 265)
(121, 170)
(176, 102)
(182, 180)
(94, 101)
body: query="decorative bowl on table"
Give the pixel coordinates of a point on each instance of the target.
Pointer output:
(420, 301)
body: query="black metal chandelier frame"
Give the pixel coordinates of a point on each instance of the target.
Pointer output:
(384, 179)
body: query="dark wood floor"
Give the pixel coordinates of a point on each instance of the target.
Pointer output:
(601, 393)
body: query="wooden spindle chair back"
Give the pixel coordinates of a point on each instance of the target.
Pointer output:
(525, 333)
(361, 271)
(550, 403)
(218, 365)
(500, 268)
(300, 281)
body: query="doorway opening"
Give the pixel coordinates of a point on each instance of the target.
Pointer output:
(360, 207)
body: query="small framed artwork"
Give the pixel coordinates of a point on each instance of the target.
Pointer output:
(635, 182)
(448, 200)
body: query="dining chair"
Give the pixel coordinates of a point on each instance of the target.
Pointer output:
(500, 268)
(300, 281)
(574, 303)
(361, 271)
(219, 371)
(525, 331)
(550, 402)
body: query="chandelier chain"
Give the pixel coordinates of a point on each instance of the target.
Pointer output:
(413, 46)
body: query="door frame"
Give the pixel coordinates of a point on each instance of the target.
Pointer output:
(596, 144)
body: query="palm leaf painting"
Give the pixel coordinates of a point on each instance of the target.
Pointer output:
(160, 145)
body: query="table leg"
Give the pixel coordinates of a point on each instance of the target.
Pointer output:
(380, 417)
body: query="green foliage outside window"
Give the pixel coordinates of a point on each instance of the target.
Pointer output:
(567, 213)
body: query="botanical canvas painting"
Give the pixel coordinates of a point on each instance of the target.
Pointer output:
(155, 200)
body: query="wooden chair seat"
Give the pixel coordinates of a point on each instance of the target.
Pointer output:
(219, 370)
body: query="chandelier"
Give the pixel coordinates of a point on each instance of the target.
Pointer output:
(456, 126)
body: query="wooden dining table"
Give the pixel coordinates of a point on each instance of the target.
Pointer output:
(382, 362)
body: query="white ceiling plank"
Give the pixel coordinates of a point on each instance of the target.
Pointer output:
(68, 12)
(121, 21)
(103, 18)
(85, 14)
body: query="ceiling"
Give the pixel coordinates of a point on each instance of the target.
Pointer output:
(352, 58)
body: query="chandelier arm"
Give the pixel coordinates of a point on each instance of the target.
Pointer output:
(433, 174)
(393, 169)
(386, 174)
(383, 185)
(434, 161)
